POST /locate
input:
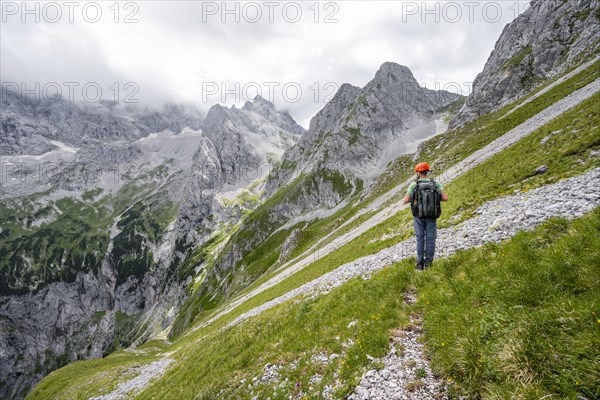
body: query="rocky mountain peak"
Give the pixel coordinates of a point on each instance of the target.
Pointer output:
(250, 116)
(216, 116)
(544, 41)
(262, 107)
(258, 102)
(360, 130)
(390, 71)
(269, 112)
(326, 118)
(346, 92)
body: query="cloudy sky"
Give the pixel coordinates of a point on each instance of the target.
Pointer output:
(293, 53)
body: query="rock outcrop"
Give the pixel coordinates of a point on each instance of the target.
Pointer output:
(545, 40)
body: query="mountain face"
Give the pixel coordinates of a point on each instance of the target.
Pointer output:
(549, 37)
(281, 119)
(241, 146)
(360, 130)
(95, 230)
(28, 126)
(256, 126)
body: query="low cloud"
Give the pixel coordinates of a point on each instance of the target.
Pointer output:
(184, 52)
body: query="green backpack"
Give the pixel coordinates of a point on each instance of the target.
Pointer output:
(426, 200)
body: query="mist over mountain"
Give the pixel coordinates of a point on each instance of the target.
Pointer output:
(29, 125)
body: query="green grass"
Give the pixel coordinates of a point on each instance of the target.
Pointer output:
(518, 58)
(519, 319)
(85, 379)
(293, 332)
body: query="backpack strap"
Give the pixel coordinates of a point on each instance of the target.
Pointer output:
(414, 197)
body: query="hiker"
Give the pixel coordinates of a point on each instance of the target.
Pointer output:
(424, 196)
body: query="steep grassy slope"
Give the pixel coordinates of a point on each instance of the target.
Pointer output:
(491, 326)
(494, 317)
(520, 319)
(83, 379)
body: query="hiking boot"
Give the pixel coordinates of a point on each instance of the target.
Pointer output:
(420, 267)
(427, 264)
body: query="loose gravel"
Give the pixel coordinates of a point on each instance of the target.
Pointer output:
(406, 374)
(129, 388)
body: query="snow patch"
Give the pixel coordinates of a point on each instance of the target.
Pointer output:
(64, 147)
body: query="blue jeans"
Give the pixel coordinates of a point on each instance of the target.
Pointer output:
(426, 232)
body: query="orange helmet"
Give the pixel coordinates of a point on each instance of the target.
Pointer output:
(422, 167)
